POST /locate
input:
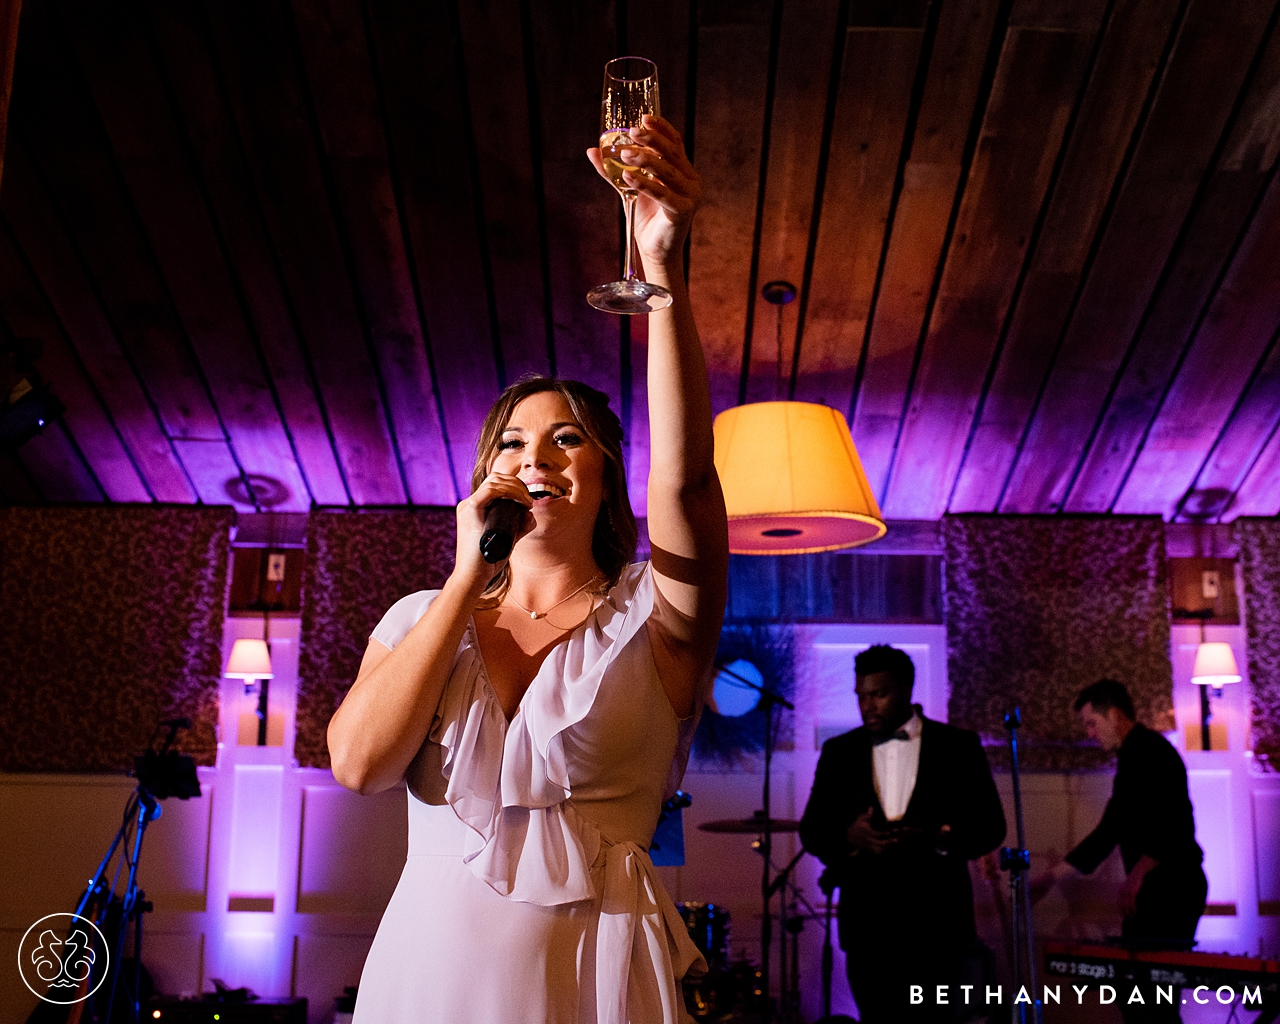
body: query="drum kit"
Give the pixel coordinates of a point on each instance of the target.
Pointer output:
(734, 990)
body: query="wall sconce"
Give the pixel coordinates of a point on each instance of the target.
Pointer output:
(1215, 667)
(251, 661)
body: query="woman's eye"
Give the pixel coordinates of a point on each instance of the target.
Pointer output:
(508, 443)
(568, 439)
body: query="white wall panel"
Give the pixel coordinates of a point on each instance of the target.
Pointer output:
(1211, 797)
(255, 830)
(1266, 835)
(353, 850)
(175, 855)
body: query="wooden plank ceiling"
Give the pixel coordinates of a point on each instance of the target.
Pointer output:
(284, 253)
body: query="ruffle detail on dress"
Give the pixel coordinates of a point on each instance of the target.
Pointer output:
(528, 842)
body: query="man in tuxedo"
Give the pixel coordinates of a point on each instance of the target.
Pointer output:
(899, 807)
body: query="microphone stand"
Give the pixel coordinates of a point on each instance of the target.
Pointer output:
(1018, 863)
(770, 701)
(827, 884)
(788, 975)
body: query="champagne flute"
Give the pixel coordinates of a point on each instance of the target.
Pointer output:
(630, 92)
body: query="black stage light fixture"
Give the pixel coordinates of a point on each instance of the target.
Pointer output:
(26, 404)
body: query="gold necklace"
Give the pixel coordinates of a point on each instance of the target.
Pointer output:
(542, 615)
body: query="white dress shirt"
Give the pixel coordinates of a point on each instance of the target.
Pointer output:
(894, 765)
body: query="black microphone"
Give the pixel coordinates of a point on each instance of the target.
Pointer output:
(501, 524)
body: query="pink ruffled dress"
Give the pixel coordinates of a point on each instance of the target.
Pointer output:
(528, 894)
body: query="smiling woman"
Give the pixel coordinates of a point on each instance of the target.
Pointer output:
(541, 712)
(575, 420)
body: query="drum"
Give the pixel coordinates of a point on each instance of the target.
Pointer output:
(708, 926)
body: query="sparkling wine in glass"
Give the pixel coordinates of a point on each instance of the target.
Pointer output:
(630, 92)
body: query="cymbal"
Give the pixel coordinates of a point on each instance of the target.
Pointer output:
(750, 825)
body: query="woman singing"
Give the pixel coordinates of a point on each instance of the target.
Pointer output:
(539, 717)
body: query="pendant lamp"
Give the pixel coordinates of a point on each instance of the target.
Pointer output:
(793, 482)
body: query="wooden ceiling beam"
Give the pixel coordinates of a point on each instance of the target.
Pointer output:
(158, 170)
(28, 314)
(38, 232)
(73, 154)
(877, 75)
(801, 82)
(922, 212)
(386, 107)
(492, 52)
(1254, 420)
(267, 94)
(1150, 442)
(1258, 494)
(734, 41)
(1216, 45)
(54, 461)
(1128, 58)
(1233, 338)
(1037, 81)
(192, 82)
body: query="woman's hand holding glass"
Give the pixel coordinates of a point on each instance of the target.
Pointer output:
(668, 189)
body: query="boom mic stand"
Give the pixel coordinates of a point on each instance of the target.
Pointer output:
(770, 701)
(1018, 863)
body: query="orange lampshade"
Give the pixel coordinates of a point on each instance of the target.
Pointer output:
(792, 480)
(249, 659)
(1215, 665)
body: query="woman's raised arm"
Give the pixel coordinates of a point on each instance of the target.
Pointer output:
(687, 526)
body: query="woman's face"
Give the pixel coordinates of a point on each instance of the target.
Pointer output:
(545, 446)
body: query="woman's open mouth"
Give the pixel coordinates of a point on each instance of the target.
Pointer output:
(541, 492)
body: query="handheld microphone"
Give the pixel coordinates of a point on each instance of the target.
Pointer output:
(502, 521)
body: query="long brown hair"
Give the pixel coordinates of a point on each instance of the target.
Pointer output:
(613, 543)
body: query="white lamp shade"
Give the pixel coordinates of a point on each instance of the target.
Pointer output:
(1215, 665)
(792, 480)
(249, 659)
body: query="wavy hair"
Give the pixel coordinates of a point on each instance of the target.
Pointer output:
(613, 542)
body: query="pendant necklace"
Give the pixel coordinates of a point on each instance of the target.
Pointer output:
(543, 615)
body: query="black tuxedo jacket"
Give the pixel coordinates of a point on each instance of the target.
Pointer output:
(919, 890)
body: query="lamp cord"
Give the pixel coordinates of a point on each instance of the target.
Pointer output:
(777, 388)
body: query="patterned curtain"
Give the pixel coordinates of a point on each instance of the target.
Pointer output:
(112, 623)
(1039, 608)
(1260, 562)
(358, 565)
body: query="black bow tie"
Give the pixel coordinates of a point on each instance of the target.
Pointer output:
(901, 734)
